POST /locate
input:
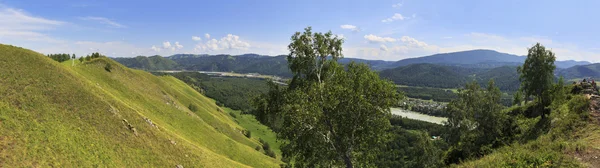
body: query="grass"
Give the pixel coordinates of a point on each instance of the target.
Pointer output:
(258, 130)
(571, 136)
(57, 115)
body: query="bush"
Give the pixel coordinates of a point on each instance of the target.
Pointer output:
(193, 107)
(266, 146)
(271, 153)
(247, 133)
(233, 114)
(108, 67)
(257, 148)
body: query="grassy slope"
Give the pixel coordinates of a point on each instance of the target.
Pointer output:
(570, 142)
(258, 130)
(54, 114)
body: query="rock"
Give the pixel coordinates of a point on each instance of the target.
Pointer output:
(173, 142)
(179, 166)
(150, 122)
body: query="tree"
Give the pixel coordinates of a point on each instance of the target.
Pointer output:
(475, 123)
(517, 98)
(332, 115)
(537, 75)
(81, 59)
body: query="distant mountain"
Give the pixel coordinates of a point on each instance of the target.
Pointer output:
(427, 75)
(477, 59)
(463, 58)
(581, 71)
(506, 78)
(444, 76)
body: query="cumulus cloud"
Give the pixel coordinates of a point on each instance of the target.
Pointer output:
(397, 5)
(229, 42)
(396, 16)
(196, 38)
(376, 39)
(207, 36)
(103, 20)
(350, 27)
(166, 44)
(413, 42)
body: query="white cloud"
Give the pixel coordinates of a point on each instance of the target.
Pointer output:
(383, 48)
(207, 36)
(157, 49)
(166, 44)
(229, 42)
(103, 20)
(350, 27)
(396, 16)
(376, 39)
(397, 5)
(447, 37)
(413, 42)
(178, 46)
(196, 38)
(16, 24)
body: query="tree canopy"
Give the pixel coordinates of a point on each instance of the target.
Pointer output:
(331, 115)
(537, 74)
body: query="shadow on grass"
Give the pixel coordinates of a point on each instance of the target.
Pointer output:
(540, 128)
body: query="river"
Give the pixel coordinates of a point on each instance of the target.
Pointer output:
(418, 116)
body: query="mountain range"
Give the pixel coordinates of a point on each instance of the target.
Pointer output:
(447, 70)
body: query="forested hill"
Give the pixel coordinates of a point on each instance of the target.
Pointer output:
(441, 76)
(97, 112)
(277, 65)
(581, 71)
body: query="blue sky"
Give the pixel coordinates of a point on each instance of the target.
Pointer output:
(384, 30)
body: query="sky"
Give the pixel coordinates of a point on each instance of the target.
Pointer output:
(372, 29)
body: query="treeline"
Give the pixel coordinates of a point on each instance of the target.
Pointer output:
(64, 57)
(61, 57)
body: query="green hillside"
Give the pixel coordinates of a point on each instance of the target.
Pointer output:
(58, 115)
(428, 75)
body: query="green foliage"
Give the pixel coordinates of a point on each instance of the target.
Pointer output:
(108, 67)
(60, 57)
(427, 93)
(517, 98)
(247, 133)
(332, 116)
(193, 107)
(537, 74)
(235, 93)
(410, 149)
(476, 124)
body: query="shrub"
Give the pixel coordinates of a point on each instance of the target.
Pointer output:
(193, 107)
(247, 133)
(266, 146)
(271, 153)
(233, 114)
(257, 148)
(108, 67)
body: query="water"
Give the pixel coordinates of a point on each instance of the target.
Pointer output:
(418, 116)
